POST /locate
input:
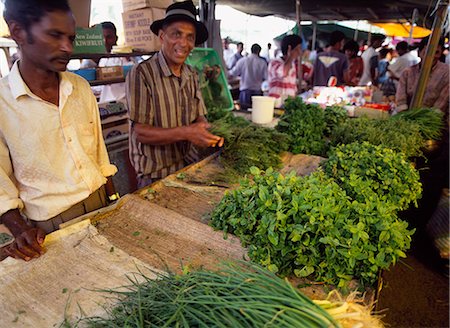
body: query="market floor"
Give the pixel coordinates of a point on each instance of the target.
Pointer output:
(416, 290)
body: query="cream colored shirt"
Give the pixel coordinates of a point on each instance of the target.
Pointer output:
(51, 157)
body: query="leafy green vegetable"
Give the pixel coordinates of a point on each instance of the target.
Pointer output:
(310, 227)
(306, 126)
(366, 171)
(334, 117)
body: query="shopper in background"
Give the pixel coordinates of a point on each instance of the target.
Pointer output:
(227, 51)
(437, 89)
(165, 103)
(355, 63)
(237, 56)
(253, 71)
(53, 161)
(384, 81)
(282, 72)
(369, 57)
(331, 62)
(404, 60)
(267, 54)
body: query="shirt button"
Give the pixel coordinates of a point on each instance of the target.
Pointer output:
(70, 139)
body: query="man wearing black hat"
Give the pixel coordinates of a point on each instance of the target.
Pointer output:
(164, 100)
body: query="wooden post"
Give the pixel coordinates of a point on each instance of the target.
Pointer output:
(427, 63)
(298, 8)
(314, 36)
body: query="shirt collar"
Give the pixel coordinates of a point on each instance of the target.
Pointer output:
(20, 88)
(185, 72)
(16, 83)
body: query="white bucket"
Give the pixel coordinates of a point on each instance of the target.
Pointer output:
(262, 109)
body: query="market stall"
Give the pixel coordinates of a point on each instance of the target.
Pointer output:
(312, 195)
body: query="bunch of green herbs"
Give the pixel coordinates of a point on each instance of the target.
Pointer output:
(363, 169)
(334, 117)
(429, 120)
(236, 296)
(305, 124)
(400, 135)
(246, 144)
(310, 227)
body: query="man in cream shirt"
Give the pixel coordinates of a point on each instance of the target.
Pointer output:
(53, 161)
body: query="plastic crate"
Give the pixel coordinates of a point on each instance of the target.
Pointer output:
(213, 81)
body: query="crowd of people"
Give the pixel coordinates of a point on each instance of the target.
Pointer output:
(387, 67)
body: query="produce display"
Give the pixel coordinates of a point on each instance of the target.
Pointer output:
(341, 222)
(235, 296)
(310, 227)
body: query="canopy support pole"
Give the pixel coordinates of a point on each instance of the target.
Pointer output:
(298, 8)
(314, 36)
(355, 36)
(427, 63)
(413, 23)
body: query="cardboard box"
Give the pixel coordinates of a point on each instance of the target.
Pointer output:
(108, 73)
(139, 4)
(136, 26)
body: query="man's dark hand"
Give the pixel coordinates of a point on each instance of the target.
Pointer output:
(28, 243)
(200, 136)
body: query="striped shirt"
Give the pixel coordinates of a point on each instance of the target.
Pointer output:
(281, 86)
(160, 99)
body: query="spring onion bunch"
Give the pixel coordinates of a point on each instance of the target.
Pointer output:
(238, 295)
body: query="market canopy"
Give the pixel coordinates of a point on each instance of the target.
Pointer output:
(320, 10)
(324, 30)
(403, 30)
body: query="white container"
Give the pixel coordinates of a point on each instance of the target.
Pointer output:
(262, 109)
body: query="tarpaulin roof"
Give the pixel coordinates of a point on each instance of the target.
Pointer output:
(403, 30)
(319, 10)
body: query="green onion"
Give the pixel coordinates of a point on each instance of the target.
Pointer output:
(238, 295)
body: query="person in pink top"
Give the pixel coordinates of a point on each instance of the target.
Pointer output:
(282, 72)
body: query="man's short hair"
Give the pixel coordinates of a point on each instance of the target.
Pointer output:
(383, 52)
(28, 12)
(109, 26)
(402, 45)
(335, 37)
(292, 40)
(256, 49)
(351, 45)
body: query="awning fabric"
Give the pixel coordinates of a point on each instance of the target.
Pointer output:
(403, 30)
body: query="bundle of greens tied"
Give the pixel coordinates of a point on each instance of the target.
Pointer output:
(246, 144)
(236, 296)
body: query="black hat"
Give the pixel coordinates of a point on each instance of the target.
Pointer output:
(182, 11)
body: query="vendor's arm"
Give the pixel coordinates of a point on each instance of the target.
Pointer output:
(197, 133)
(28, 240)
